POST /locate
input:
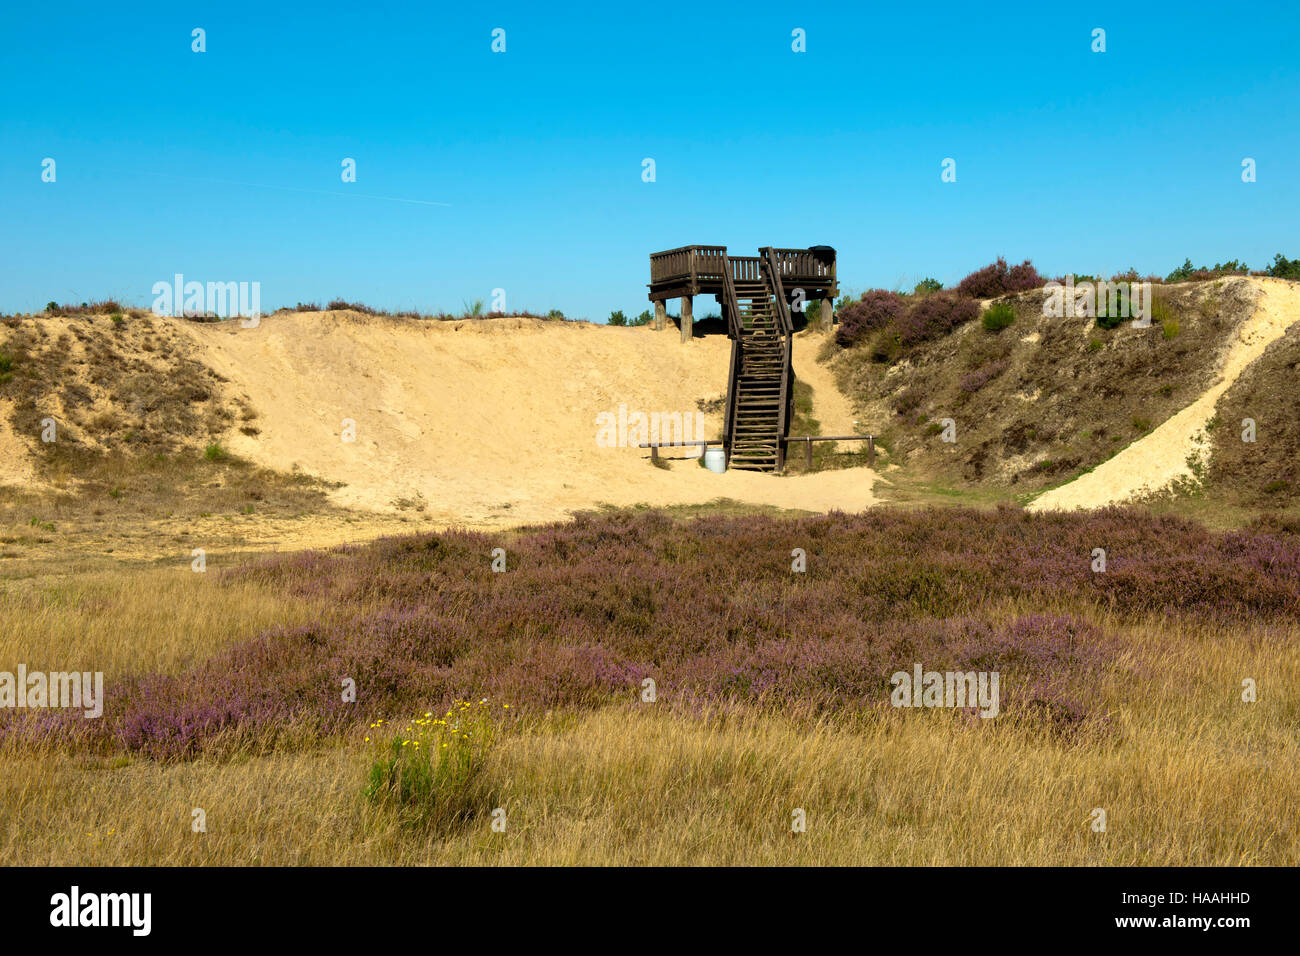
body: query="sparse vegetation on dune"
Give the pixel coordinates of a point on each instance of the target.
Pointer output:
(1043, 399)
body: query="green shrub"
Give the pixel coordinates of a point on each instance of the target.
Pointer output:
(1094, 345)
(1187, 271)
(431, 772)
(1111, 310)
(214, 452)
(617, 318)
(1169, 328)
(926, 286)
(1160, 310)
(1284, 268)
(998, 316)
(643, 319)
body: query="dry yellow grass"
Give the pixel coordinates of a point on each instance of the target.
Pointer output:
(1187, 774)
(138, 620)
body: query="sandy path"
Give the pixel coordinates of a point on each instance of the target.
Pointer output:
(492, 423)
(831, 407)
(1152, 463)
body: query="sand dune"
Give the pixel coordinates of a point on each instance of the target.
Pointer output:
(1165, 455)
(493, 422)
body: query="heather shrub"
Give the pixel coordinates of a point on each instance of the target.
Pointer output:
(998, 316)
(935, 316)
(908, 400)
(974, 381)
(876, 309)
(997, 279)
(592, 607)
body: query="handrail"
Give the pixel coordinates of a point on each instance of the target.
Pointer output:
(809, 439)
(773, 270)
(732, 306)
(692, 262)
(682, 262)
(778, 288)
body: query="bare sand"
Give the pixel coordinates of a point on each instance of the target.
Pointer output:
(15, 462)
(1166, 455)
(492, 423)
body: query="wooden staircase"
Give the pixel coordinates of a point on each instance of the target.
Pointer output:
(761, 382)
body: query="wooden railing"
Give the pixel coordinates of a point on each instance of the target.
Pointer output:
(692, 263)
(654, 446)
(809, 439)
(745, 269)
(803, 264)
(686, 262)
(731, 305)
(770, 264)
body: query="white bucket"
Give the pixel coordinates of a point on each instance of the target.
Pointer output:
(715, 459)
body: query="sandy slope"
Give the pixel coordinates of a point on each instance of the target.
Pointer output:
(492, 422)
(833, 410)
(1162, 457)
(15, 461)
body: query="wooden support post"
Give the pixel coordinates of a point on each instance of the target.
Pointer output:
(654, 453)
(827, 314)
(807, 447)
(688, 320)
(871, 452)
(661, 315)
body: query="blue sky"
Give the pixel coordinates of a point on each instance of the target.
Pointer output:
(225, 165)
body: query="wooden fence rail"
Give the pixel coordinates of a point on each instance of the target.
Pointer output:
(809, 439)
(654, 446)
